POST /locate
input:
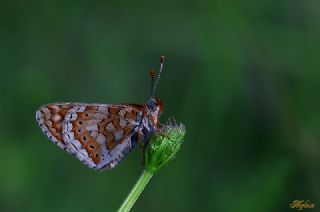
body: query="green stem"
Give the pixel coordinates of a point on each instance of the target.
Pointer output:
(136, 191)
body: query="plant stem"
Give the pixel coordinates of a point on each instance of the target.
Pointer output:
(136, 191)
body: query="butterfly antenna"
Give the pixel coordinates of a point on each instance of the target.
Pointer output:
(158, 77)
(152, 80)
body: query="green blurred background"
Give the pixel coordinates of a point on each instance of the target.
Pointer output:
(243, 76)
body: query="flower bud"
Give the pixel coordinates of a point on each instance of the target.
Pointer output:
(163, 146)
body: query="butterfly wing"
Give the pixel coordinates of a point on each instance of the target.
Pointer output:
(50, 119)
(100, 135)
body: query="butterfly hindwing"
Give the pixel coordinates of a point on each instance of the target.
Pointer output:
(50, 118)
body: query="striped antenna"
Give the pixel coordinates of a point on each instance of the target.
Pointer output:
(154, 84)
(152, 80)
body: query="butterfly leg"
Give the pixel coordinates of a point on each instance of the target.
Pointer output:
(142, 145)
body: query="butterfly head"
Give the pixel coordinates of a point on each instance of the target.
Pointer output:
(153, 110)
(155, 106)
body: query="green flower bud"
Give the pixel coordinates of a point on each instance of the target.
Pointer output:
(163, 146)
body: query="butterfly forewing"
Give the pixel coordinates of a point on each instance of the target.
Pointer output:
(100, 135)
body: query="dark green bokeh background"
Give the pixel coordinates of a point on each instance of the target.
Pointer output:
(243, 76)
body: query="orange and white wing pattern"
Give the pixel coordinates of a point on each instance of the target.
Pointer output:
(100, 135)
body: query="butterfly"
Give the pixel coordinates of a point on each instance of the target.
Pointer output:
(101, 135)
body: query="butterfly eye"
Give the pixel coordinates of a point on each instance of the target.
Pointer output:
(152, 104)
